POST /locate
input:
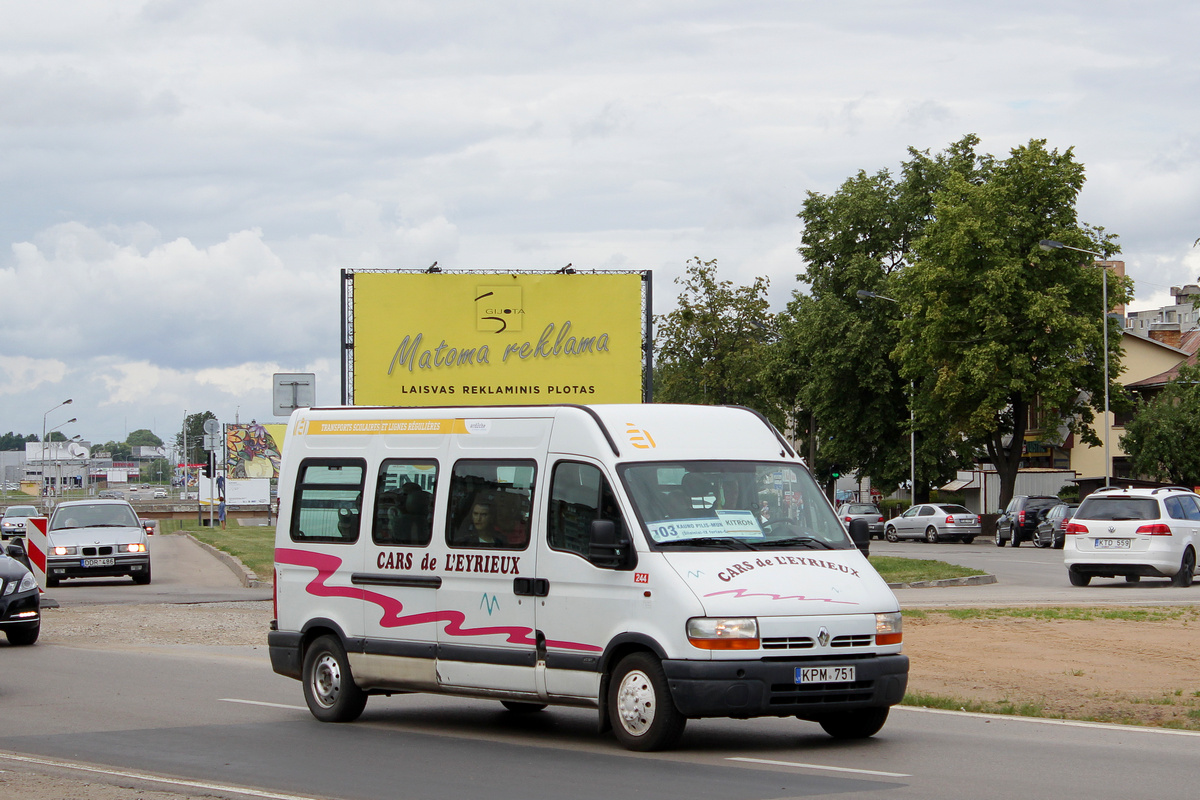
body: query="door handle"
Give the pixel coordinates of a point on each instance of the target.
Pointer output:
(531, 587)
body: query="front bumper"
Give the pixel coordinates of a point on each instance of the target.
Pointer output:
(20, 610)
(743, 689)
(73, 567)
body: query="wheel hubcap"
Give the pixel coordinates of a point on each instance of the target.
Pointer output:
(635, 703)
(327, 680)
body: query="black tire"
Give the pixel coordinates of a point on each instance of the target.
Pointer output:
(931, 535)
(329, 687)
(518, 707)
(1014, 536)
(968, 539)
(23, 636)
(643, 715)
(142, 579)
(1059, 541)
(1000, 540)
(1077, 578)
(51, 581)
(890, 534)
(855, 724)
(1187, 569)
(1037, 540)
(1133, 578)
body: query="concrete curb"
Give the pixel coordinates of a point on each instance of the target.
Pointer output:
(972, 580)
(248, 578)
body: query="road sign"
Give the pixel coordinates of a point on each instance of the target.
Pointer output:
(294, 390)
(212, 442)
(212, 427)
(35, 548)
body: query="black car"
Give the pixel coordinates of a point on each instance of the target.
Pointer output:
(1049, 531)
(1019, 520)
(20, 601)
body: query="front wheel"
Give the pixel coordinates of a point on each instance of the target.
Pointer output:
(855, 724)
(931, 535)
(639, 704)
(142, 578)
(968, 539)
(23, 636)
(1187, 569)
(329, 687)
(890, 534)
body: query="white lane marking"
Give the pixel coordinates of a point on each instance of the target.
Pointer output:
(820, 766)
(261, 703)
(145, 776)
(1072, 723)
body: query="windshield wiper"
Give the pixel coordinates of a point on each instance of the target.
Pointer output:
(722, 542)
(798, 540)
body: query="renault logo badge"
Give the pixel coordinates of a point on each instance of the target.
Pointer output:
(823, 637)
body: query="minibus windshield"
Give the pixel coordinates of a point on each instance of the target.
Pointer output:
(736, 505)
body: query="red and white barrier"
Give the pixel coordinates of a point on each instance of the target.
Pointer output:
(36, 546)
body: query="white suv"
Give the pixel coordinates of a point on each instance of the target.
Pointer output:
(1134, 532)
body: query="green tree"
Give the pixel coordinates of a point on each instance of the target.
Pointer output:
(193, 427)
(143, 438)
(118, 451)
(836, 355)
(711, 348)
(991, 322)
(157, 471)
(15, 441)
(1160, 437)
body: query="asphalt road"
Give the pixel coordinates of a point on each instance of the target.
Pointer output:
(223, 717)
(181, 572)
(1024, 576)
(220, 718)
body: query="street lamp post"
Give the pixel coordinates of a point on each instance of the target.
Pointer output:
(57, 463)
(863, 294)
(66, 402)
(1050, 244)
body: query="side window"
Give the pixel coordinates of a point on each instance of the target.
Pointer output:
(328, 501)
(1191, 507)
(1174, 508)
(490, 504)
(579, 494)
(404, 496)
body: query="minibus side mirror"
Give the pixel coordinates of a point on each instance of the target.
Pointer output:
(860, 534)
(608, 548)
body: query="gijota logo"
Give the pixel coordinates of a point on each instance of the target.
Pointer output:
(499, 309)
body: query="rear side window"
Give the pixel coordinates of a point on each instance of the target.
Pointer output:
(328, 502)
(404, 503)
(490, 503)
(1118, 508)
(1191, 507)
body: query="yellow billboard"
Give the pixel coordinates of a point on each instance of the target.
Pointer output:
(475, 339)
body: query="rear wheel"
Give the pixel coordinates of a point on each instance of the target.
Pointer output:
(855, 724)
(1187, 569)
(931, 535)
(1133, 578)
(1037, 540)
(968, 539)
(1000, 540)
(1014, 536)
(329, 687)
(639, 704)
(1078, 578)
(890, 534)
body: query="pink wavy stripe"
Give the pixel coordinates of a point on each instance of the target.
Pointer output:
(393, 610)
(745, 593)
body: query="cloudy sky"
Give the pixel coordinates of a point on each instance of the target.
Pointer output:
(181, 180)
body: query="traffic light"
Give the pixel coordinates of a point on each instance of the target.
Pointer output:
(835, 471)
(209, 465)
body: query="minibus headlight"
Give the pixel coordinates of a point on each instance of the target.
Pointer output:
(889, 628)
(723, 633)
